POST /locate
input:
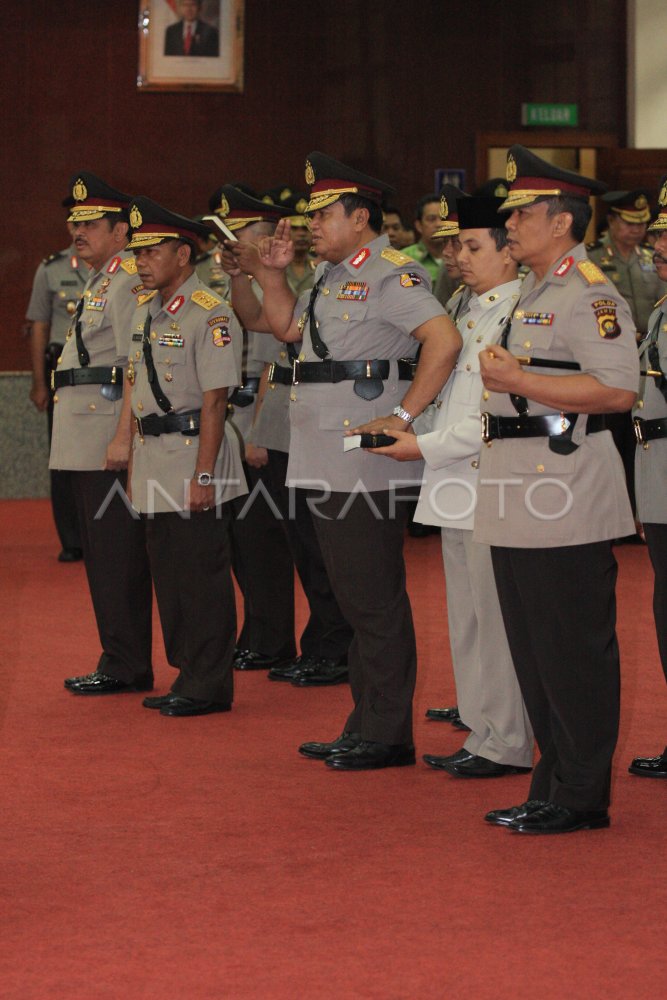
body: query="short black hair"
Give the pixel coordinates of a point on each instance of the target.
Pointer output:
(392, 210)
(427, 199)
(193, 249)
(352, 201)
(580, 211)
(499, 236)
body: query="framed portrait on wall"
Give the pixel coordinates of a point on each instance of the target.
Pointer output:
(191, 45)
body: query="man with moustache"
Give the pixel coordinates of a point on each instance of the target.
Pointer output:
(650, 420)
(489, 700)
(552, 496)
(91, 439)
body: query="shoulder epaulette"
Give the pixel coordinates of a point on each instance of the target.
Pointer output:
(145, 297)
(205, 299)
(591, 273)
(396, 257)
(129, 265)
(660, 302)
(50, 259)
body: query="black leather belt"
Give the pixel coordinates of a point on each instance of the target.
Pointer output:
(649, 430)
(342, 371)
(87, 376)
(551, 425)
(245, 394)
(280, 374)
(171, 423)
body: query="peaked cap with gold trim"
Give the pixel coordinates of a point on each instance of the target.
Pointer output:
(237, 209)
(152, 224)
(297, 204)
(450, 196)
(329, 179)
(92, 198)
(660, 224)
(631, 206)
(530, 177)
(495, 187)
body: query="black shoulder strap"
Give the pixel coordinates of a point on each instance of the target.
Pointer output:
(156, 388)
(84, 356)
(654, 355)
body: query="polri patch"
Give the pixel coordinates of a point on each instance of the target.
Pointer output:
(217, 320)
(356, 291)
(221, 336)
(409, 280)
(360, 257)
(605, 313)
(538, 319)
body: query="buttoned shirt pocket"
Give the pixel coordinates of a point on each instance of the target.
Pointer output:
(89, 400)
(532, 335)
(343, 418)
(535, 457)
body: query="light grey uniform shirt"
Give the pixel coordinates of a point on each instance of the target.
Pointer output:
(451, 449)
(84, 420)
(528, 495)
(651, 462)
(367, 307)
(196, 344)
(56, 289)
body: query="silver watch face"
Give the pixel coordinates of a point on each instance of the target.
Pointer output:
(204, 478)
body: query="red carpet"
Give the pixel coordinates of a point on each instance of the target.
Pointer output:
(201, 859)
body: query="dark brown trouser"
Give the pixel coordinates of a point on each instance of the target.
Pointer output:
(559, 609)
(114, 552)
(190, 563)
(363, 555)
(656, 540)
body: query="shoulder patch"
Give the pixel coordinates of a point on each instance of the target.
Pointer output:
(205, 299)
(660, 302)
(591, 273)
(396, 257)
(50, 258)
(129, 265)
(145, 297)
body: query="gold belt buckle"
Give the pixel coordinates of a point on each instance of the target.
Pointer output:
(295, 372)
(486, 427)
(639, 433)
(272, 371)
(53, 380)
(368, 370)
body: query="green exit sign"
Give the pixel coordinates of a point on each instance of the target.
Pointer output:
(555, 115)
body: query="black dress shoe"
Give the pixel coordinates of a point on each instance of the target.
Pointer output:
(71, 682)
(460, 724)
(99, 683)
(503, 817)
(321, 673)
(371, 756)
(320, 751)
(443, 714)
(250, 660)
(288, 671)
(552, 818)
(482, 767)
(178, 706)
(160, 701)
(439, 763)
(650, 767)
(70, 555)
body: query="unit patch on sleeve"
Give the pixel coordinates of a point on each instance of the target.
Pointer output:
(356, 291)
(538, 319)
(605, 313)
(396, 257)
(205, 299)
(218, 320)
(409, 280)
(221, 335)
(591, 273)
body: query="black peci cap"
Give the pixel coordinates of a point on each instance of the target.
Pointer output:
(480, 213)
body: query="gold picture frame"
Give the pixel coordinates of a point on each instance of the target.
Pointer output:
(179, 53)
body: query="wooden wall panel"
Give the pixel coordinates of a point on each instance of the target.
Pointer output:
(396, 88)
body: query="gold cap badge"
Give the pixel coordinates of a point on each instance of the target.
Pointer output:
(310, 173)
(444, 207)
(662, 197)
(511, 169)
(301, 206)
(224, 206)
(79, 191)
(641, 202)
(135, 217)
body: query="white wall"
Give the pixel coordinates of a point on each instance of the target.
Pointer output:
(647, 74)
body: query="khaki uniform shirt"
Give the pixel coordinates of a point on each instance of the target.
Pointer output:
(84, 420)
(196, 344)
(451, 448)
(367, 307)
(300, 283)
(636, 278)
(545, 499)
(651, 462)
(56, 289)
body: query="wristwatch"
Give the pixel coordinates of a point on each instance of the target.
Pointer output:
(398, 411)
(204, 478)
